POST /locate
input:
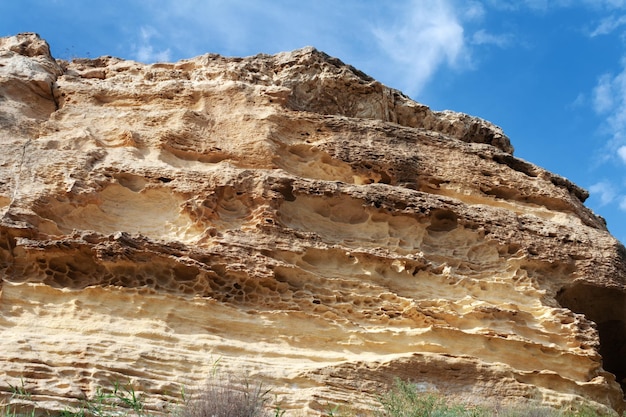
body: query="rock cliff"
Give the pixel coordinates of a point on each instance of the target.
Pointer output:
(293, 219)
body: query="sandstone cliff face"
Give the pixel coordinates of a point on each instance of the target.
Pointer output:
(297, 220)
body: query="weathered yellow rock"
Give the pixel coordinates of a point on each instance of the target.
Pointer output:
(297, 220)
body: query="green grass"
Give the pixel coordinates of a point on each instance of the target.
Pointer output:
(118, 402)
(406, 400)
(226, 397)
(19, 394)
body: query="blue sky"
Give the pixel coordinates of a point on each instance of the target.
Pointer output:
(551, 73)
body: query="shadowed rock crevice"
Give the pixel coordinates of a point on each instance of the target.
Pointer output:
(606, 307)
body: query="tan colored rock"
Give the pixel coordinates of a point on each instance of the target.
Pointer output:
(296, 220)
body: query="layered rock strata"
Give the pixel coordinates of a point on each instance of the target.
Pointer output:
(294, 220)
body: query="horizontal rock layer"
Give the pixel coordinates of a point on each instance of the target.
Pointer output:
(292, 219)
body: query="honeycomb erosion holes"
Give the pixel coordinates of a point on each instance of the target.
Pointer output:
(297, 220)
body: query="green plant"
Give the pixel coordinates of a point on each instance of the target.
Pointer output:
(226, 397)
(19, 391)
(8, 411)
(182, 393)
(128, 398)
(278, 411)
(120, 401)
(338, 411)
(20, 403)
(70, 413)
(404, 400)
(530, 410)
(334, 411)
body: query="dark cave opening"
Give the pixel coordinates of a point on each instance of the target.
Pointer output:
(607, 308)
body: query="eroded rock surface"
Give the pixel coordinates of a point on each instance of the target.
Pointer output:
(297, 220)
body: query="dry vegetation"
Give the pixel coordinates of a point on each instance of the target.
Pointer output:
(225, 397)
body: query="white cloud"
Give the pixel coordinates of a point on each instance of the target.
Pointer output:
(603, 94)
(474, 10)
(402, 44)
(144, 51)
(609, 99)
(579, 101)
(605, 192)
(537, 5)
(547, 5)
(597, 4)
(615, 4)
(608, 25)
(622, 203)
(621, 152)
(427, 35)
(482, 37)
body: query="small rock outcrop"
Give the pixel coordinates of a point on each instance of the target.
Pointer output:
(296, 220)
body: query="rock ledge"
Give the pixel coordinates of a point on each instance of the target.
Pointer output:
(300, 222)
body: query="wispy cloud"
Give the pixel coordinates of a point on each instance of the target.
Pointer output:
(604, 94)
(609, 101)
(610, 4)
(621, 152)
(403, 44)
(579, 101)
(482, 37)
(144, 51)
(472, 10)
(188, 28)
(608, 25)
(537, 5)
(604, 191)
(547, 5)
(428, 34)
